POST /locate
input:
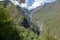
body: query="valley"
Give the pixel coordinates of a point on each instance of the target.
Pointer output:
(40, 23)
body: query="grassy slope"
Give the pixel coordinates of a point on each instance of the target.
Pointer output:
(50, 16)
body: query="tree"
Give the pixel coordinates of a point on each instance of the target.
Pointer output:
(7, 29)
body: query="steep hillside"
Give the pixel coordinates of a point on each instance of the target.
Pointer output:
(49, 15)
(15, 13)
(19, 18)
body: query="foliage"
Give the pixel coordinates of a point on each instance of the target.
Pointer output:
(15, 13)
(26, 34)
(47, 36)
(49, 14)
(10, 25)
(7, 29)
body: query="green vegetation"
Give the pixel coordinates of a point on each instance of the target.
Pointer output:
(10, 25)
(11, 19)
(49, 14)
(15, 13)
(7, 29)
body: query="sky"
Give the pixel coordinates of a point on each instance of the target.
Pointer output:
(1, 0)
(31, 4)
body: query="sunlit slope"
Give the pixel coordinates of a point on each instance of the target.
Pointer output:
(50, 16)
(16, 13)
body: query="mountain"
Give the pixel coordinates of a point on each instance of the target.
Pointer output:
(41, 20)
(21, 23)
(49, 15)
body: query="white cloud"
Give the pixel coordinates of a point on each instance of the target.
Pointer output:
(1, 0)
(24, 4)
(38, 3)
(34, 5)
(14, 2)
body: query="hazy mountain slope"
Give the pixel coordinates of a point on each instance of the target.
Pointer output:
(50, 16)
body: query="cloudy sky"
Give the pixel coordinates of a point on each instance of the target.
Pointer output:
(35, 3)
(31, 4)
